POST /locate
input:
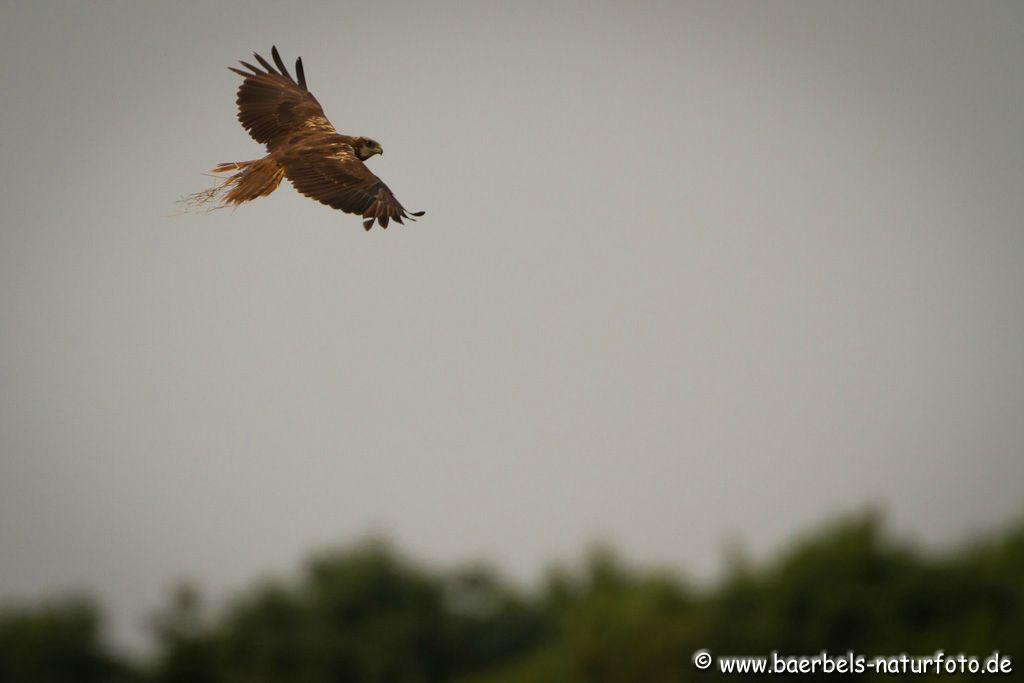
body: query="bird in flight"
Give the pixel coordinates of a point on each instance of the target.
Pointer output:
(302, 145)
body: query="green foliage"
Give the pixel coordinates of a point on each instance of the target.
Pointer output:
(367, 614)
(56, 643)
(359, 615)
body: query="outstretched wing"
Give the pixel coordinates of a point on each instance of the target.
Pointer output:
(271, 103)
(325, 168)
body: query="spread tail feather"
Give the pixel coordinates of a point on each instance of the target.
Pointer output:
(251, 179)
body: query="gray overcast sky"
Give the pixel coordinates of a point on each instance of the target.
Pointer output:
(690, 273)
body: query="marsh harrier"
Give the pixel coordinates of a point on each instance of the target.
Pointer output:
(303, 146)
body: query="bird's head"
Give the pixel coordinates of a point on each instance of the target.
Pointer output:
(366, 148)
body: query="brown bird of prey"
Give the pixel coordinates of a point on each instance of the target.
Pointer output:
(303, 146)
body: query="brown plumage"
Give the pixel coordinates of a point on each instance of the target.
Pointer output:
(303, 146)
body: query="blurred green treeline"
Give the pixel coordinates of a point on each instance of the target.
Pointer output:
(367, 614)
